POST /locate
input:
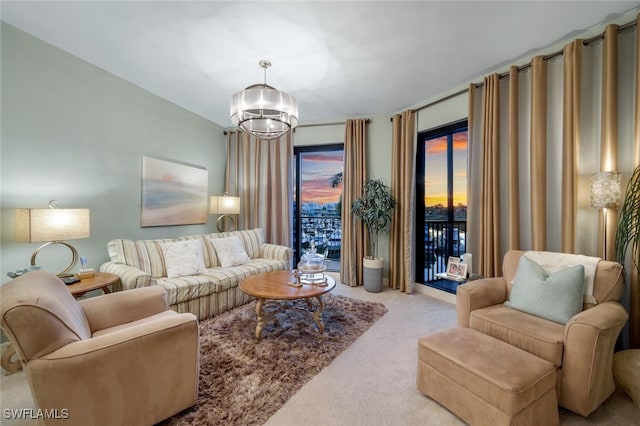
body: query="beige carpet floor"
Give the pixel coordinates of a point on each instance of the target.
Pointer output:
(373, 381)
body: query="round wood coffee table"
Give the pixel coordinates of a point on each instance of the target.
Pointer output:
(274, 285)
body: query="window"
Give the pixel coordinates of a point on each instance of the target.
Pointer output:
(441, 219)
(318, 186)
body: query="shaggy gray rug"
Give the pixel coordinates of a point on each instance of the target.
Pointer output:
(244, 381)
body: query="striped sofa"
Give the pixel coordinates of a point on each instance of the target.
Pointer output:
(140, 263)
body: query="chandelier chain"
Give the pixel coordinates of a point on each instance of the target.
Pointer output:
(265, 64)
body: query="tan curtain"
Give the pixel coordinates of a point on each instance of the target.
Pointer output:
(354, 176)
(401, 259)
(539, 154)
(259, 172)
(513, 179)
(560, 139)
(609, 131)
(572, 56)
(490, 254)
(634, 284)
(474, 184)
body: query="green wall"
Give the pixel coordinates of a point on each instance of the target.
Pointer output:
(75, 133)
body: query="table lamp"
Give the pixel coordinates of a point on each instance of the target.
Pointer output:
(225, 206)
(52, 226)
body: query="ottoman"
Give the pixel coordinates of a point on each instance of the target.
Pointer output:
(486, 381)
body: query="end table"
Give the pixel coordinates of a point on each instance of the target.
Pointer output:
(100, 281)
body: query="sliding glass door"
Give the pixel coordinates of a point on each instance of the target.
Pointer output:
(317, 201)
(441, 216)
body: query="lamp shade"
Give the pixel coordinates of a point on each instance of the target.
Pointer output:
(41, 225)
(264, 111)
(605, 190)
(224, 204)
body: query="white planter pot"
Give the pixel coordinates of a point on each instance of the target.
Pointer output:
(372, 274)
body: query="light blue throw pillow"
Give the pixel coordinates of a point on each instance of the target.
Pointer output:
(556, 297)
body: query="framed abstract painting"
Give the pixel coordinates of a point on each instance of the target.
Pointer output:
(173, 193)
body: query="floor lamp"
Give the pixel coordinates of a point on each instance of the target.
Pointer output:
(605, 194)
(225, 206)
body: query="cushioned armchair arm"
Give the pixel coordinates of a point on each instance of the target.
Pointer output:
(276, 252)
(124, 306)
(589, 340)
(130, 277)
(120, 377)
(479, 294)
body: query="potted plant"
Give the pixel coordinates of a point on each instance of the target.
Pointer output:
(375, 209)
(628, 236)
(628, 232)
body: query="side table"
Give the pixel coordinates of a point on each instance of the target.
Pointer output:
(450, 285)
(100, 281)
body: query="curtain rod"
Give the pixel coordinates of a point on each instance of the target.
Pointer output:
(337, 123)
(520, 68)
(560, 52)
(452, 95)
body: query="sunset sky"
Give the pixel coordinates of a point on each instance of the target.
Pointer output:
(317, 168)
(435, 180)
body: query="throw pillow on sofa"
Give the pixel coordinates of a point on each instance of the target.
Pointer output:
(183, 258)
(230, 251)
(556, 297)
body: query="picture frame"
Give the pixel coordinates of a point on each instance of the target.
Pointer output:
(456, 269)
(173, 193)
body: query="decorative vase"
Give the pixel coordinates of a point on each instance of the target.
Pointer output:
(372, 274)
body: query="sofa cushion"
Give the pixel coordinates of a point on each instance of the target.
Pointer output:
(146, 255)
(556, 297)
(208, 251)
(183, 258)
(192, 287)
(215, 280)
(553, 262)
(536, 335)
(608, 284)
(230, 251)
(252, 240)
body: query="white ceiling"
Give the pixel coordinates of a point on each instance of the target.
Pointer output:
(338, 59)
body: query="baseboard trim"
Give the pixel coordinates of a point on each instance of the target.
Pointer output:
(435, 293)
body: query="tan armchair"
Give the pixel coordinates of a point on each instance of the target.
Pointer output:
(581, 350)
(118, 359)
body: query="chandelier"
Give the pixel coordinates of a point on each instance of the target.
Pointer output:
(263, 111)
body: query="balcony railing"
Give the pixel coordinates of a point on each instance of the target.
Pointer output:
(326, 233)
(441, 240)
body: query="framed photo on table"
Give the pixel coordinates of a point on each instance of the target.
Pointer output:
(456, 270)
